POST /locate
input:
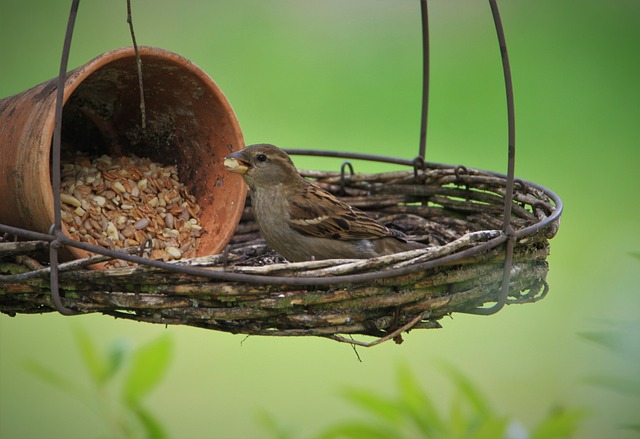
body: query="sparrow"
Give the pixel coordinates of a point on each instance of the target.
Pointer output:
(302, 221)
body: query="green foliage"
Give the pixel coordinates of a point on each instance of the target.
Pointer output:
(272, 426)
(620, 338)
(413, 413)
(558, 424)
(100, 368)
(145, 374)
(120, 380)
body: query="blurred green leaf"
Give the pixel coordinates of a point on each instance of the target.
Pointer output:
(457, 419)
(94, 362)
(471, 415)
(635, 254)
(619, 384)
(479, 420)
(419, 407)
(620, 337)
(272, 426)
(148, 364)
(116, 356)
(360, 430)
(471, 394)
(151, 426)
(379, 406)
(488, 428)
(53, 378)
(559, 424)
(608, 339)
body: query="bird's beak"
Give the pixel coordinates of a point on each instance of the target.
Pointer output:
(235, 163)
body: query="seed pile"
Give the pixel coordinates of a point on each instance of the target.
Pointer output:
(119, 202)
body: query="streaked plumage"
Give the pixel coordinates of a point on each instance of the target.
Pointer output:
(300, 220)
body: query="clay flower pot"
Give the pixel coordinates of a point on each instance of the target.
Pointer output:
(189, 123)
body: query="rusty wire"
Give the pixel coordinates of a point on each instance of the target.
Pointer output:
(508, 237)
(508, 196)
(143, 112)
(55, 164)
(424, 15)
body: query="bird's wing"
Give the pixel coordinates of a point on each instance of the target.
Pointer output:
(320, 214)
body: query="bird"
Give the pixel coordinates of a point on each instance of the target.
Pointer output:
(303, 222)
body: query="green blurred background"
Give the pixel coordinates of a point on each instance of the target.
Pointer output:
(345, 74)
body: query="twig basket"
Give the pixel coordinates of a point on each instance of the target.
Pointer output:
(457, 210)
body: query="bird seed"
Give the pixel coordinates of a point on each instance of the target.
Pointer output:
(118, 202)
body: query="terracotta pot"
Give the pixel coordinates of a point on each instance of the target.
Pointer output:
(189, 123)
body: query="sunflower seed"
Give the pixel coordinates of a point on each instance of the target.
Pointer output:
(117, 202)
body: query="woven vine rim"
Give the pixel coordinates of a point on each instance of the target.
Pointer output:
(249, 289)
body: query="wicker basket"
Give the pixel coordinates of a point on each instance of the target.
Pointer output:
(457, 210)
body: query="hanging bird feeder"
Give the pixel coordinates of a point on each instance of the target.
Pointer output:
(488, 233)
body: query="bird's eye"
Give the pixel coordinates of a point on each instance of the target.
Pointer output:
(261, 157)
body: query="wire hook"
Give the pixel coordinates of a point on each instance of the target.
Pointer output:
(345, 164)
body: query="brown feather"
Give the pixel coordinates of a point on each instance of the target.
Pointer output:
(320, 214)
